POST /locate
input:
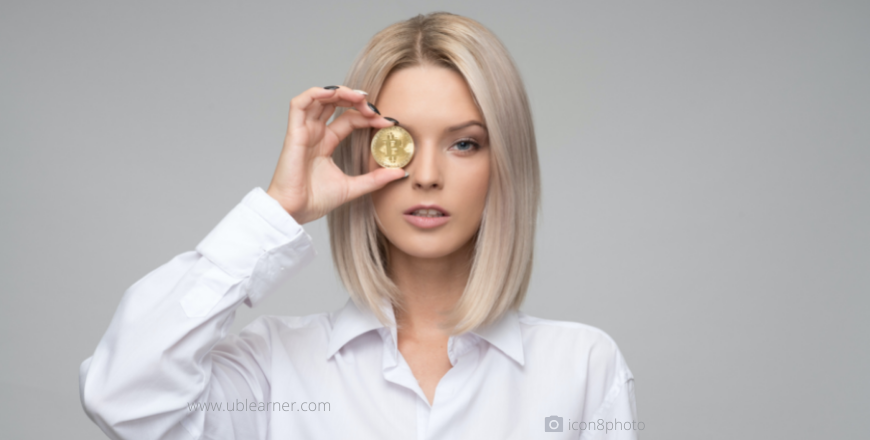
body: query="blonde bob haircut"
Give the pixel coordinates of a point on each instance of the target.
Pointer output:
(503, 246)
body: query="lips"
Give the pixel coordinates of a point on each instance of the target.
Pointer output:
(426, 216)
(427, 211)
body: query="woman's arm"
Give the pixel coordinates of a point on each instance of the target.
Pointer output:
(610, 409)
(155, 362)
(158, 357)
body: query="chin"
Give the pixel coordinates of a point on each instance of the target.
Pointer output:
(434, 246)
(419, 252)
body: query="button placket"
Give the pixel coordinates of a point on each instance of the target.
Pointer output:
(395, 368)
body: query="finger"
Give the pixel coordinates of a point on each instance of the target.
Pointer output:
(366, 183)
(313, 112)
(314, 96)
(349, 121)
(342, 103)
(300, 105)
(328, 111)
(346, 97)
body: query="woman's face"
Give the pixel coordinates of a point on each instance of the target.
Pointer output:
(450, 167)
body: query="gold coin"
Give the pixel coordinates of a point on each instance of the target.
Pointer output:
(393, 147)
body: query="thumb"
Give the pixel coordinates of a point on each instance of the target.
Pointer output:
(374, 180)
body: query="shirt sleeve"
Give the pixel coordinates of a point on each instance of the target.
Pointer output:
(158, 360)
(615, 418)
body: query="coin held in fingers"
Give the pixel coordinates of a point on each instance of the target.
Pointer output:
(392, 147)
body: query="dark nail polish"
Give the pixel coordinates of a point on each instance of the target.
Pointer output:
(374, 109)
(395, 122)
(331, 87)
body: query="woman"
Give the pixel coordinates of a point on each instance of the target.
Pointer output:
(436, 256)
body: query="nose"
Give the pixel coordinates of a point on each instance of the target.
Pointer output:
(425, 169)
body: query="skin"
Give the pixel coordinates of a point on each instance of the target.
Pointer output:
(450, 168)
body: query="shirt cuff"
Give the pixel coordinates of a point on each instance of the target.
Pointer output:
(260, 241)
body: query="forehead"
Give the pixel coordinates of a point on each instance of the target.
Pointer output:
(429, 95)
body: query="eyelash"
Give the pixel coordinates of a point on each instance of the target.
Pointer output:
(474, 145)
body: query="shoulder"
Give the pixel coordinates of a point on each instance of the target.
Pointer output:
(313, 325)
(574, 334)
(304, 333)
(574, 344)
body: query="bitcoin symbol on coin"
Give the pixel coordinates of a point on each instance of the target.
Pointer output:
(392, 147)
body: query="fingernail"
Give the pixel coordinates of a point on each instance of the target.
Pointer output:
(374, 109)
(331, 87)
(361, 92)
(395, 122)
(406, 174)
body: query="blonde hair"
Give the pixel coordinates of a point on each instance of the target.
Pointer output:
(504, 245)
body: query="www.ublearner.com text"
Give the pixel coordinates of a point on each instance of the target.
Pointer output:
(239, 405)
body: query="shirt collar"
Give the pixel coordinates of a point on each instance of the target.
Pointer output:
(352, 321)
(506, 335)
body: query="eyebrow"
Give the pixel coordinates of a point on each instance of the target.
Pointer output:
(463, 125)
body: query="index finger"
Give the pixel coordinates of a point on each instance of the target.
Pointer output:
(349, 121)
(347, 97)
(315, 98)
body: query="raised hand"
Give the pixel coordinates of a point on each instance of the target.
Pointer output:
(307, 183)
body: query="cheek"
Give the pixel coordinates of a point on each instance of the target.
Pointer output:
(475, 186)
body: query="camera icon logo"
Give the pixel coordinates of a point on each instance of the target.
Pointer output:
(553, 424)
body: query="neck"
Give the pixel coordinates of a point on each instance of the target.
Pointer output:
(429, 286)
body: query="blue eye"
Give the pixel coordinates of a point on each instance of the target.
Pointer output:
(467, 145)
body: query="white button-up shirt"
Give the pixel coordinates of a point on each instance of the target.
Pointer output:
(167, 367)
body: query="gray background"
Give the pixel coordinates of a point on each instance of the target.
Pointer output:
(706, 177)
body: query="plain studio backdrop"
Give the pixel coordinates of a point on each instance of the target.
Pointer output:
(706, 181)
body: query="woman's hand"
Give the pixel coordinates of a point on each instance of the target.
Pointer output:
(307, 183)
